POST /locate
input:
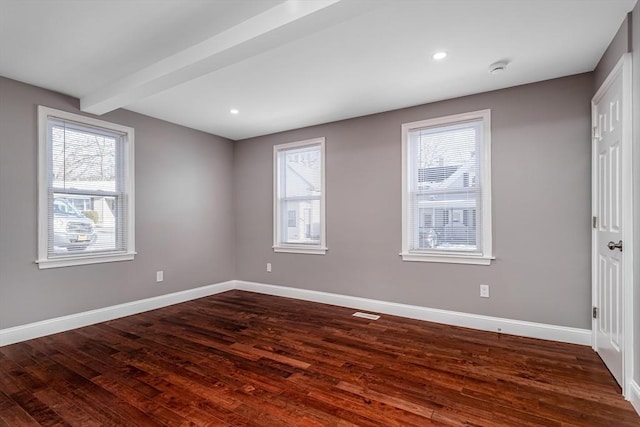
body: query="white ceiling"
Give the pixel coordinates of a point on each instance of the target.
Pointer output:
(289, 64)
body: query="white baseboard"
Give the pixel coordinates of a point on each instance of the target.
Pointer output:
(473, 321)
(73, 321)
(634, 395)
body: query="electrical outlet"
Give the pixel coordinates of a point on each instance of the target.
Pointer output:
(159, 276)
(268, 267)
(484, 291)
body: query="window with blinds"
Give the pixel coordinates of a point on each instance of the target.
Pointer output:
(299, 197)
(86, 197)
(447, 189)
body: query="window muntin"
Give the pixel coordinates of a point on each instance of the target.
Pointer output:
(86, 190)
(446, 200)
(299, 197)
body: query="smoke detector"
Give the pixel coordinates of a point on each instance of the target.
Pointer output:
(498, 67)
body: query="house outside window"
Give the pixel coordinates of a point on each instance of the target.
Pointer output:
(446, 166)
(299, 197)
(292, 218)
(86, 205)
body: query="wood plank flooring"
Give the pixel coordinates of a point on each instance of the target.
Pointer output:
(244, 359)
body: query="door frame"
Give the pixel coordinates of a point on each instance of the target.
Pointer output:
(624, 67)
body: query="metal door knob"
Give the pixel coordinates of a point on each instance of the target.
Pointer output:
(612, 246)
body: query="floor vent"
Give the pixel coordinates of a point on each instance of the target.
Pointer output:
(366, 315)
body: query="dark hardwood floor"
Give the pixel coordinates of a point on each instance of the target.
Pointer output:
(244, 359)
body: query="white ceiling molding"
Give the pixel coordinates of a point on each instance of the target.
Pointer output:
(260, 33)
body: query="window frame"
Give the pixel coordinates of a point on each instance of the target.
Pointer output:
(457, 257)
(302, 248)
(44, 260)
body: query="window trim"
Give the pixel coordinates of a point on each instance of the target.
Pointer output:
(486, 256)
(321, 247)
(44, 261)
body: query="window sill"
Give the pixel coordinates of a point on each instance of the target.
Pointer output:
(453, 258)
(315, 250)
(68, 261)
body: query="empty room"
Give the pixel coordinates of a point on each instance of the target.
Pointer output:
(319, 213)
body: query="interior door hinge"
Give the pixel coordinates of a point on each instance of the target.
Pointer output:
(595, 222)
(594, 312)
(594, 131)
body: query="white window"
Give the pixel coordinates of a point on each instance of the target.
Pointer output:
(446, 200)
(299, 212)
(85, 194)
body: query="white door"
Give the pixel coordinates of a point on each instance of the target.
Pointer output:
(610, 205)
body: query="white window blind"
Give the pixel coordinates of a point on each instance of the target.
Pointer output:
(86, 189)
(445, 204)
(299, 197)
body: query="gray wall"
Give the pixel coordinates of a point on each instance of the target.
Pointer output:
(541, 209)
(184, 219)
(620, 44)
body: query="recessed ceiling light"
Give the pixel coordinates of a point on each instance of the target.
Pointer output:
(438, 56)
(234, 111)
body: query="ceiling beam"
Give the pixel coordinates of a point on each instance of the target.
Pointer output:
(277, 26)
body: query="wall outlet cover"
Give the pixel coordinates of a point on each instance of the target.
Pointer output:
(484, 291)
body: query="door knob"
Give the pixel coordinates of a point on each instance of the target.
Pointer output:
(612, 246)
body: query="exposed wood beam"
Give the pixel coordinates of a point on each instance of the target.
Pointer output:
(277, 26)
